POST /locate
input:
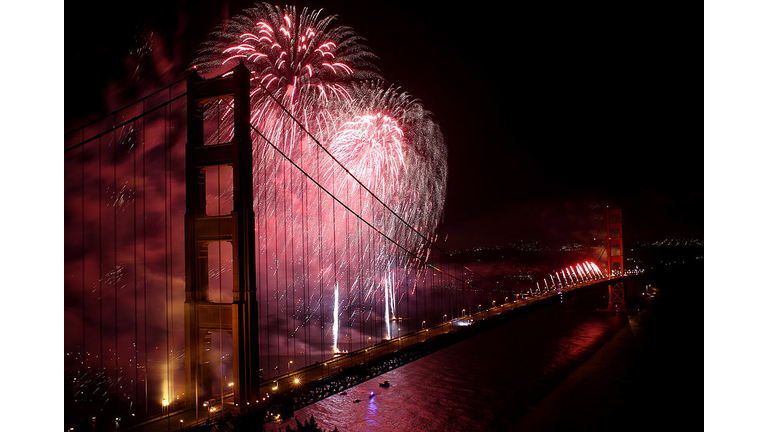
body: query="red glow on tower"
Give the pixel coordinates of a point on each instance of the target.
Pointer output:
(615, 245)
(615, 252)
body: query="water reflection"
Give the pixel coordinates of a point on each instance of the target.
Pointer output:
(582, 339)
(370, 419)
(488, 382)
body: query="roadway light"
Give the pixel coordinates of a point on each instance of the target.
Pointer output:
(296, 380)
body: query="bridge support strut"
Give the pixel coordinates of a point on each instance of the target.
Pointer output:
(615, 250)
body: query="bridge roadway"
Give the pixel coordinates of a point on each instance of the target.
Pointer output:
(283, 384)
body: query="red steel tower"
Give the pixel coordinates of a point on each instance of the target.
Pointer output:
(202, 315)
(615, 252)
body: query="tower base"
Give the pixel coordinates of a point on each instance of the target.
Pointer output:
(616, 302)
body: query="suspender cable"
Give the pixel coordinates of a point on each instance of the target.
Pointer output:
(114, 245)
(135, 282)
(277, 278)
(144, 260)
(82, 259)
(285, 271)
(170, 237)
(165, 240)
(101, 277)
(320, 261)
(292, 314)
(220, 269)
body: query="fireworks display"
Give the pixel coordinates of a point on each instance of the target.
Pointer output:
(572, 275)
(330, 278)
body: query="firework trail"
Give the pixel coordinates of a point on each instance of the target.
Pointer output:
(582, 272)
(314, 82)
(335, 347)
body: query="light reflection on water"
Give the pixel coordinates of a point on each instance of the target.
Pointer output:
(371, 418)
(487, 382)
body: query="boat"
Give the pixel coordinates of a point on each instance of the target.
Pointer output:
(384, 384)
(356, 401)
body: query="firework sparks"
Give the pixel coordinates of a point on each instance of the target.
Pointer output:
(316, 96)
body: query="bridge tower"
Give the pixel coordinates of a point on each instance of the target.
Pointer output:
(203, 317)
(615, 252)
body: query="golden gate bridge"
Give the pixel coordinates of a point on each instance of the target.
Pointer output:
(184, 296)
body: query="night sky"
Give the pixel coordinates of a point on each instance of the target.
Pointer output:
(549, 113)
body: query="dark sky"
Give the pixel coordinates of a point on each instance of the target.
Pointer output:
(550, 112)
